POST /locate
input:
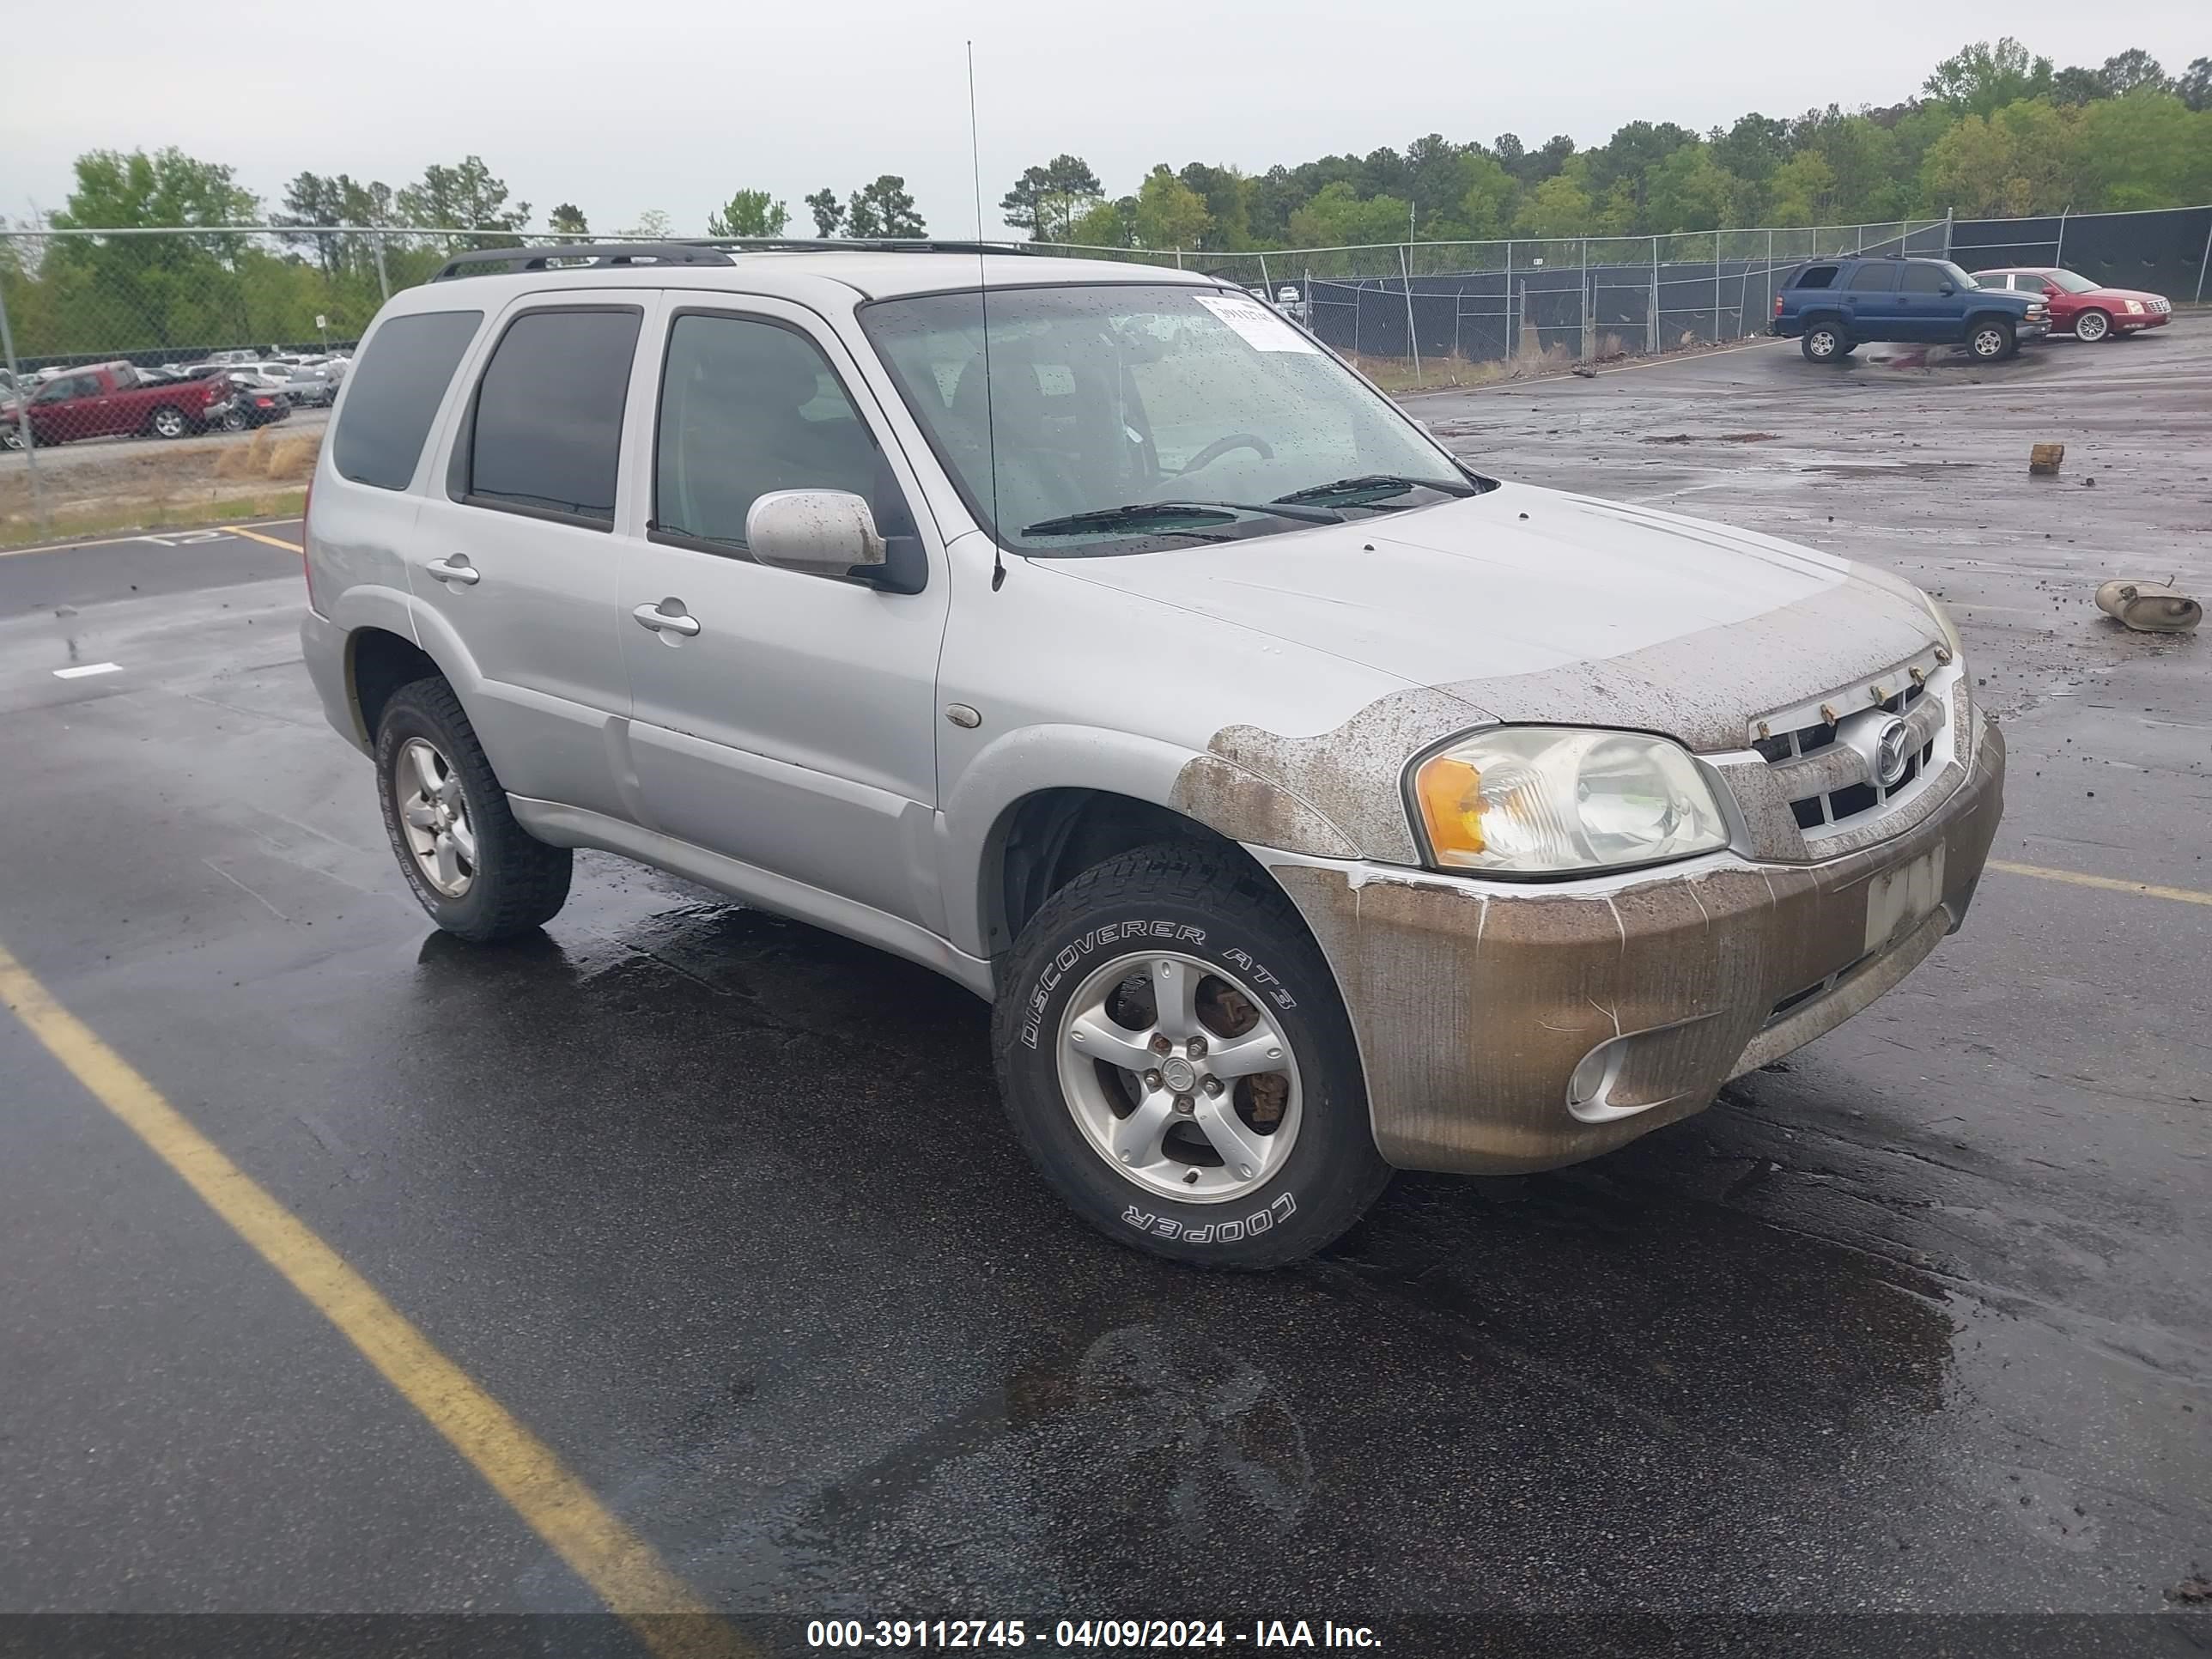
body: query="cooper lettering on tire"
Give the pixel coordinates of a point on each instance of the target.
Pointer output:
(1175, 1058)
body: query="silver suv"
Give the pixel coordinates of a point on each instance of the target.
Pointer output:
(1307, 805)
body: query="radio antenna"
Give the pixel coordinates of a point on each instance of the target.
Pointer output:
(983, 302)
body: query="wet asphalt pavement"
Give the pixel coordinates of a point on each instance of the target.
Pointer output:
(722, 1208)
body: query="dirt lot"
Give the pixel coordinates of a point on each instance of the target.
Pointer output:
(127, 483)
(1916, 1324)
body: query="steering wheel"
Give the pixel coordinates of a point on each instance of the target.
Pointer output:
(1220, 447)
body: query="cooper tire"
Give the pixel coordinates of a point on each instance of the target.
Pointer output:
(1825, 342)
(1253, 959)
(508, 881)
(1991, 340)
(2093, 326)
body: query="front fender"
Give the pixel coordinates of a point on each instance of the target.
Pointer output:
(1204, 788)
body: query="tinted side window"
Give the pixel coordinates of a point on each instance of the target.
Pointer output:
(1924, 279)
(1873, 279)
(546, 434)
(398, 383)
(1816, 276)
(2032, 284)
(747, 407)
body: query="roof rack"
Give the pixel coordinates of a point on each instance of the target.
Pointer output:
(854, 245)
(480, 261)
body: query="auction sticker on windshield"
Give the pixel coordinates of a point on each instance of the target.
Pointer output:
(1256, 326)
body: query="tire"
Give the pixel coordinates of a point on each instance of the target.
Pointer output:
(2093, 326)
(1090, 962)
(169, 421)
(1825, 342)
(235, 421)
(11, 437)
(1989, 340)
(515, 882)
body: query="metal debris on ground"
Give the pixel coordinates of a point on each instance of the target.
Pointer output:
(2043, 460)
(2150, 607)
(1584, 372)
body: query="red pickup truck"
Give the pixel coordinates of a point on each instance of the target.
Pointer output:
(112, 399)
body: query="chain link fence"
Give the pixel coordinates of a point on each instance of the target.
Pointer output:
(222, 349)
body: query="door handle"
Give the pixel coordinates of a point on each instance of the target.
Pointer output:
(663, 622)
(454, 569)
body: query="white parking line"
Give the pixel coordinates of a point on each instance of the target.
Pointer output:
(83, 669)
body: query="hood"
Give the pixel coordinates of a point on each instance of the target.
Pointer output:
(1535, 604)
(2143, 294)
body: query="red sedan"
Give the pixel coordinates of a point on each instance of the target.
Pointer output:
(2080, 307)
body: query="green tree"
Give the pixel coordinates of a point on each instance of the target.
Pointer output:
(1227, 194)
(2195, 86)
(653, 226)
(1557, 207)
(567, 221)
(1486, 208)
(1981, 79)
(2146, 151)
(1104, 224)
(464, 197)
(127, 292)
(2017, 162)
(2075, 85)
(829, 212)
(1339, 217)
(1046, 201)
(2134, 69)
(883, 209)
(115, 189)
(1690, 191)
(749, 213)
(1169, 213)
(1803, 190)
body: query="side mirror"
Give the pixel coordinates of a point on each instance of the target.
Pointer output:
(823, 532)
(1945, 288)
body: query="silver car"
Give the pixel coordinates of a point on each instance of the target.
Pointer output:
(1306, 804)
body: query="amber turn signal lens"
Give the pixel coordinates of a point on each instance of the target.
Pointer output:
(1451, 794)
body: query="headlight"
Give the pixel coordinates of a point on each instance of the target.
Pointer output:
(1541, 801)
(1943, 621)
(2135, 307)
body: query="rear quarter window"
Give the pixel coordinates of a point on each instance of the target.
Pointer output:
(1816, 276)
(396, 385)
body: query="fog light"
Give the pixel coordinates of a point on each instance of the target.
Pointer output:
(1587, 1084)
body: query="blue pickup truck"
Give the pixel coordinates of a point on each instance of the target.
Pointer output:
(1835, 305)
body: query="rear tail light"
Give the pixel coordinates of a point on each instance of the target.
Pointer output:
(307, 543)
(1777, 304)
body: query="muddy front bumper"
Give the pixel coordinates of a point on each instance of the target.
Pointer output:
(1508, 1028)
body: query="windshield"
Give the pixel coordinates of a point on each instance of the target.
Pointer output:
(2073, 281)
(1107, 400)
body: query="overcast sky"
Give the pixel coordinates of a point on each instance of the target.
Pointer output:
(674, 104)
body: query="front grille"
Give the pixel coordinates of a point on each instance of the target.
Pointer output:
(1840, 795)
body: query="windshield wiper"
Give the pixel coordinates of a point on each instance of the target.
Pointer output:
(1374, 483)
(1171, 517)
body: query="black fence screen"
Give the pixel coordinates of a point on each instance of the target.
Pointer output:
(2162, 251)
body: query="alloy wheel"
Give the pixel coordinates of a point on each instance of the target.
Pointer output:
(1180, 1077)
(434, 815)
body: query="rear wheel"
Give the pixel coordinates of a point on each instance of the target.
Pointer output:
(1175, 1059)
(1990, 339)
(1824, 342)
(11, 436)
(2091, 326)
(234, 421)
(167, 422)
(476, 871)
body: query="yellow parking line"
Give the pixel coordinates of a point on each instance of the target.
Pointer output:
(619, 1566)
(2149, 890)
(256, 536)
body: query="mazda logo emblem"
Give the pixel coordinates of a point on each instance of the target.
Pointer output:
(1892, 751)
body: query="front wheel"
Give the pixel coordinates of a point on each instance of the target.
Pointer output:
(477, 872)
(2092, 326)
(1175, 1058)
(1991, 340)
(1824, 342)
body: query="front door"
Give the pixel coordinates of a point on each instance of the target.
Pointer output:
(1926, 311)
(785, 721)
(1873, 302)
(515, 552)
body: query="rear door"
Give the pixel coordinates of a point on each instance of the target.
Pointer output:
(1873, 302)
(515, 559)
(1924, 310)
(787, 720)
